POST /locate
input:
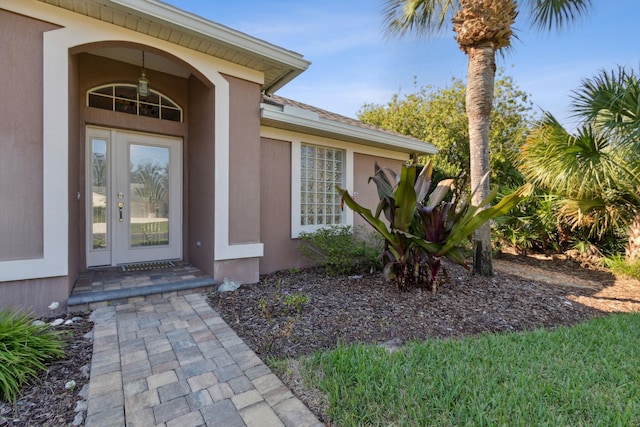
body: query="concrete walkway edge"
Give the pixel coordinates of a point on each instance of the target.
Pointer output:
(175, 362)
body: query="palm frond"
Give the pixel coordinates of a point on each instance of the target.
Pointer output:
(575, 165)
(597, 216)
(595, 178)
(548, 15)
(418, 16)
(611, 100)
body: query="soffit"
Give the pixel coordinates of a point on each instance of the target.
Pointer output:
(160, 20)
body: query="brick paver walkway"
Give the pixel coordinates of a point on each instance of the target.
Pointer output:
(175, 362)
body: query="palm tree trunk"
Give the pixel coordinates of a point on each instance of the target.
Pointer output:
(480, 81)
(632, 250)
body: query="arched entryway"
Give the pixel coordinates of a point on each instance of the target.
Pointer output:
(148, 205)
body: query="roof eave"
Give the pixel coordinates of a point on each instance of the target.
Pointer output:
(309, 122)
(272, 87)
(204, 27)
(293, 62)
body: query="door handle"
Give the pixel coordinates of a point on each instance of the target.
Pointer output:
(120, 206)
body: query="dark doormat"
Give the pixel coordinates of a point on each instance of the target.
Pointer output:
(144, 266)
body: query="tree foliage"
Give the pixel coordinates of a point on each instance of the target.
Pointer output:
(437, 115)
(595, 169)
(482, 28)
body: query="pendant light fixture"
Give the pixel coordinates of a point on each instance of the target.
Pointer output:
(143, 83)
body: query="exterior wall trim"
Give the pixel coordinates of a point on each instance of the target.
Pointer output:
(78, 30)
(54, 261)
(289, 135)
(296, 168)
(223, 250)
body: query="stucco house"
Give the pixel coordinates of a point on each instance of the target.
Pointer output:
(133, 131)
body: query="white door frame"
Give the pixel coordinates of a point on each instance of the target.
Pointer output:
(116, 249)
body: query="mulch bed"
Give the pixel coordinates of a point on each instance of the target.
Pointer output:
(369, 310)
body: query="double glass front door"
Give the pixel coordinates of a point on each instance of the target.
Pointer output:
(134, 200)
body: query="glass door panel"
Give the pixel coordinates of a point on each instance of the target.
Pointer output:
(148, 184)
(98, 197)
(99, 177)
(148, 196)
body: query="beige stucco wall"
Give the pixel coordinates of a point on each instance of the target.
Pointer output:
(21, 228)
(242, 270)
(35, 295)
(244, 161)
(280, 250)
(200, 194)
(21, 166)
(244, 181)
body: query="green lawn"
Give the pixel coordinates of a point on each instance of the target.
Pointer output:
(587, 375)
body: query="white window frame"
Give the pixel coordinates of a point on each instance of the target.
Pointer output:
(296, 187)
(170, 105)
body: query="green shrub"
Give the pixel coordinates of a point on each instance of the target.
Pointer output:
(620, 266)
(532, 226)
(421, 226)
(341, 251)
(24, 349)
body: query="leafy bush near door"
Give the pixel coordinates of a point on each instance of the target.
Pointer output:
(421, 226)
(340, 250)
(24, 349)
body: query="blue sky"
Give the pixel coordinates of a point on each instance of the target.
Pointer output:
(353, 63)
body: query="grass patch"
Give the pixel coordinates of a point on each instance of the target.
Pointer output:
(619, 266)
(24, 349)
(585, 375)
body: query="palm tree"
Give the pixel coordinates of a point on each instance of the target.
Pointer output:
(594, 170)
(482, 28)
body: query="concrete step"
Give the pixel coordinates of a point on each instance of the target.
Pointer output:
(91, 300)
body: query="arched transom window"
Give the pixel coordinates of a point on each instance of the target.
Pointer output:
(125, 99)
